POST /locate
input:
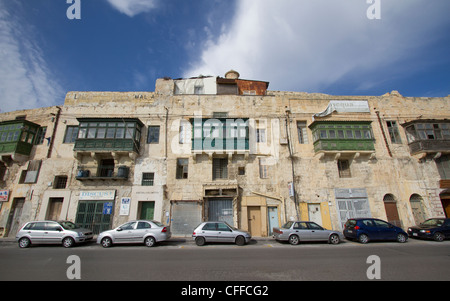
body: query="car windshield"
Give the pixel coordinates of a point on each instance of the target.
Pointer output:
(434, 222)
(288, 225)
(68, 225)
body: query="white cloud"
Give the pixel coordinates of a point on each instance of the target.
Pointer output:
(307, 45)
(133, 7)
(25, 79)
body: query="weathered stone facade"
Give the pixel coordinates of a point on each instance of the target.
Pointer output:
(284, 160)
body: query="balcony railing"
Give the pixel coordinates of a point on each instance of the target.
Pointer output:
(343, 145)
(429, 146)
(126, 145)
(102, 172)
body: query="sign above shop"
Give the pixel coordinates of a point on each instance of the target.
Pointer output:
(97, 195)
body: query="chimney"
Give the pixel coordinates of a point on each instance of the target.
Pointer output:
(232, 74)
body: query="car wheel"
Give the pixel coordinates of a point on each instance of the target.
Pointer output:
(200, 241)
(24, 242)
(106, 242)
(149, 241)
(240, 240)
(68, 242)
(334, 239)
(438, 236)
(363, 238)
(401, 238)
(294, 240)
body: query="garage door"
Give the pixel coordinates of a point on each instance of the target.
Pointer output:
(185, 217)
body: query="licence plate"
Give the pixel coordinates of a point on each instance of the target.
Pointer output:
(414, 234)
(349, 231)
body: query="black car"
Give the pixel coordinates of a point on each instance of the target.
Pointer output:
(434, 228)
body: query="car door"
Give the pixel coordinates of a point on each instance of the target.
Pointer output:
(35, 231)
(209, 232)
(125, 233)
(368, 227)
(142, 229)
(317, 232)
(385, 230)
(446, 228)
(302, 231)
(224, 233)
(53, 233)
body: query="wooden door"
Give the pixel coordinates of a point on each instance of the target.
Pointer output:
(254, 220)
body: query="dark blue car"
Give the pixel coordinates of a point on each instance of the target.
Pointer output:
(433, 228)
(368, 229)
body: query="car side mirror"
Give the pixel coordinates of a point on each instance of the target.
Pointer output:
(119, 229)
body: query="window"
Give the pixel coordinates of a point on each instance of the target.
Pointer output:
(393, 131)
(71, 134)
(344, 169)
(41, 135)
(97, 129)
(241, 170)
(182, 168)
(60, 182)
(443, 166)
(428, 131)
(153, 134)
(220, 168)
(148, 179)
(263, 169)
(260, 135)
(143, 225)
(30, 175)
(106, 168)
(302, 134)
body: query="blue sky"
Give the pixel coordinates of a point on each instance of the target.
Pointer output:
(325, 46)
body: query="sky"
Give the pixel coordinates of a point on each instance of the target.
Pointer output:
(338, 47)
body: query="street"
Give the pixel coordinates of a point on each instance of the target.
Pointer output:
(266, 260)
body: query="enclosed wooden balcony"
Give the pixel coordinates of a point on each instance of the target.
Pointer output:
(17, 138)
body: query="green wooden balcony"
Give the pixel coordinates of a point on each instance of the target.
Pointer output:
(108, 135)
(342, 136)
(17, 137)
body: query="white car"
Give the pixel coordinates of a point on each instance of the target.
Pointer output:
(298, 231)
(219, 232)
(140, 231)
(51, 232)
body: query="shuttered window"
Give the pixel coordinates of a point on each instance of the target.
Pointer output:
(220, 168)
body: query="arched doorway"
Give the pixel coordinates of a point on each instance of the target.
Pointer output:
(390, 205)
(417, 208)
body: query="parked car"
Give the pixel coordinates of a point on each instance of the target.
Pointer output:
(52, 232)
(434, 228)
(368, 229)
(297, 231)
(216, 231)
(140, 231)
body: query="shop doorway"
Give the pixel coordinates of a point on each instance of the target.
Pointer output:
(95, 215)
(13, 223)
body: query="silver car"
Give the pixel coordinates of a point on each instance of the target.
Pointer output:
(140, 231)
(219, 232)
(294, 232)
(51, 232)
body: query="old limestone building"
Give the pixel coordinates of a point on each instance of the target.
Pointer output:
(213, 148)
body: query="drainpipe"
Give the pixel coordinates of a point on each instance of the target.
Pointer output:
(292, 161)
(384, 134)
(52, 139)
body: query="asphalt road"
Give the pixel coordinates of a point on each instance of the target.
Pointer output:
(257, 262)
